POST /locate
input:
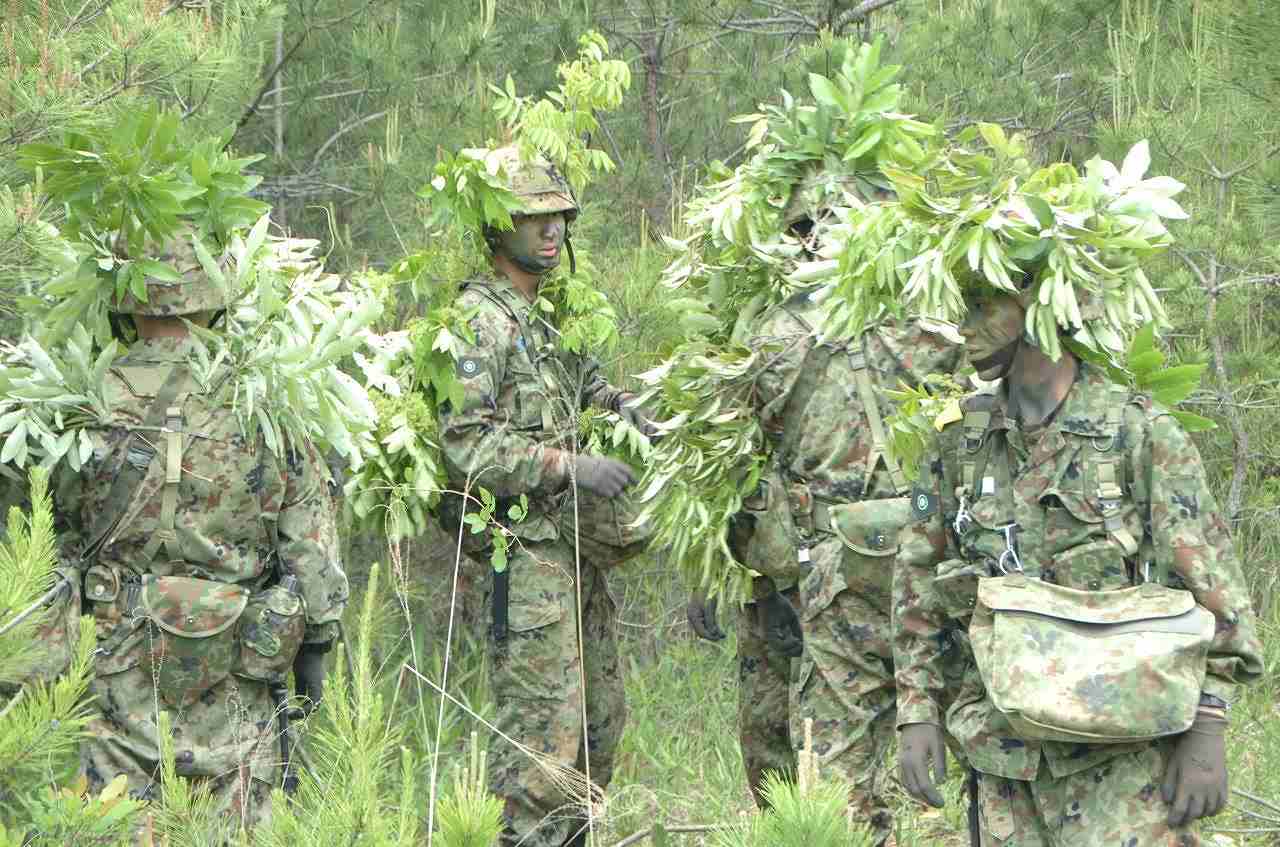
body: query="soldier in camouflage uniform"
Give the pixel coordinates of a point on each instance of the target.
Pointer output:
(514, 435)
(813, 404)
(1098, 482)
(210, 566)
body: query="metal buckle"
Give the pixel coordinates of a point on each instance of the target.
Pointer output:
(1010, 553)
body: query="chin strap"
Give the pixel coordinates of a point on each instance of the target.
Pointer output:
(568, 248)
(1002, 357)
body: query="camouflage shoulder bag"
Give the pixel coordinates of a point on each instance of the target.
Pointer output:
(1097, 667)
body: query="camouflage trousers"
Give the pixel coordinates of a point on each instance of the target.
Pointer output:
(1116, 802)
(225, 743)
(845, 680)
(764, 712)
(537, 680)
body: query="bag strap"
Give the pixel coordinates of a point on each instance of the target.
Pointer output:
(136, 456)
(871, 408)
(166, 535)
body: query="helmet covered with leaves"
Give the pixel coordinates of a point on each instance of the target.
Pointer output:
(539, 186)
(822, 189)
(180, 288)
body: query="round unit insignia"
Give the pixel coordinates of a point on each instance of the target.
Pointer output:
(922, 503)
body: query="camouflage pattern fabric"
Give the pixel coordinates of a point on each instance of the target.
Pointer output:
(514, 435)
(764, 690)
(195, 292)
(537, 682)
(1116, 802)
(845, 677)
(539, 187)
(243, 516)
(1048, 482)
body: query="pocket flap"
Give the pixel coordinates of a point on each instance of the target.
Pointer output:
(1142, 602)
(522, 617)
(192, 608)
(871, 527)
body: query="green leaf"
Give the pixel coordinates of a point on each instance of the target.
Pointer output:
(1193, 422)
(158, 270)
(1041, 209)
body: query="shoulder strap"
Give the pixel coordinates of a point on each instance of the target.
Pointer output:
(871, 408)
(1111, 488)
(977, 417)
(135, 458)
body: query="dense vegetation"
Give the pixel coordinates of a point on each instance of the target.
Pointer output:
(350, 104)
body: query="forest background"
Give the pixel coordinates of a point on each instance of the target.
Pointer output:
(349, 101)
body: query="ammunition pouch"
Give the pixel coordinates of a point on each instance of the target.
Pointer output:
(271, 631)
(606, 527)
(193, 644)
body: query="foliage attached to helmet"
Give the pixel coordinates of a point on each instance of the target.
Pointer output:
(142, 203)
(158, 224)
(811, 159)
(541, 165)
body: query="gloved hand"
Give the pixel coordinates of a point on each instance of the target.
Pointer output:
(918, 743)
(308, 676)
(781, 625)
(606, 477)
(1195, 781)
(702, 617)
(635, 416)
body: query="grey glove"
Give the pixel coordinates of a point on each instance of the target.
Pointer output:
(606, 477)
(635, 416)
(1195, 780)
(702, 617)
(781, 625)
(918, 743)
(308, 675)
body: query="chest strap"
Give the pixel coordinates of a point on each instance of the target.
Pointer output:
(871, 408)
(1111, 492)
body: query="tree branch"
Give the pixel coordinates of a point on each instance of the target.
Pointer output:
(343, 130)
(859, 13)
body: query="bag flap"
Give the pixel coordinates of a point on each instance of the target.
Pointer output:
(1141, 602)
(871, 527)
(192, 608)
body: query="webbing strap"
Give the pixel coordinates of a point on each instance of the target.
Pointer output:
(166, 534)
(871, 407)
(136, 457)
(812, 369)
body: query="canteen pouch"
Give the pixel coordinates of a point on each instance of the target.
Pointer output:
(1097, 667)
(271, 630)
(606, 528)
(193, 644)
(868, 531)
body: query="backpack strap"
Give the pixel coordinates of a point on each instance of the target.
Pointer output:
(871, 408)
(1110, 468)
(135, 458)
(487, 292)
(166, 535)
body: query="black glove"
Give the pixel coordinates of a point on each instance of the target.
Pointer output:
(308, 675)
(606, 477)
(702, 617)
(1195, 781)
(635, 416)
(918, 743)
(781, 625)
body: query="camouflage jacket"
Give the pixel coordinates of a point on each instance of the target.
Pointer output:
(1109, 468)
(835, 442)
(243, 515)
(522, 396)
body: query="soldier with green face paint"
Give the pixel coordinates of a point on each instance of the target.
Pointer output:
(552, 649)
(209, 562)
(1058, 478)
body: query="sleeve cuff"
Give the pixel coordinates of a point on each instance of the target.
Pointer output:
(1221, 689)
(918, 713)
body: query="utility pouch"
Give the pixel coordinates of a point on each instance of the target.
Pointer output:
(606, 527)
(270, 634)
(1098, 667)
(193, 644)
(868, 531)
(956, 584)
(774, 538)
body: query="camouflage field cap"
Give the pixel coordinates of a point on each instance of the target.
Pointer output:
(539, 185)
(195, 292)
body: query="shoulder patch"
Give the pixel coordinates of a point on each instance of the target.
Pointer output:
(923, 504)
(468, 366)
